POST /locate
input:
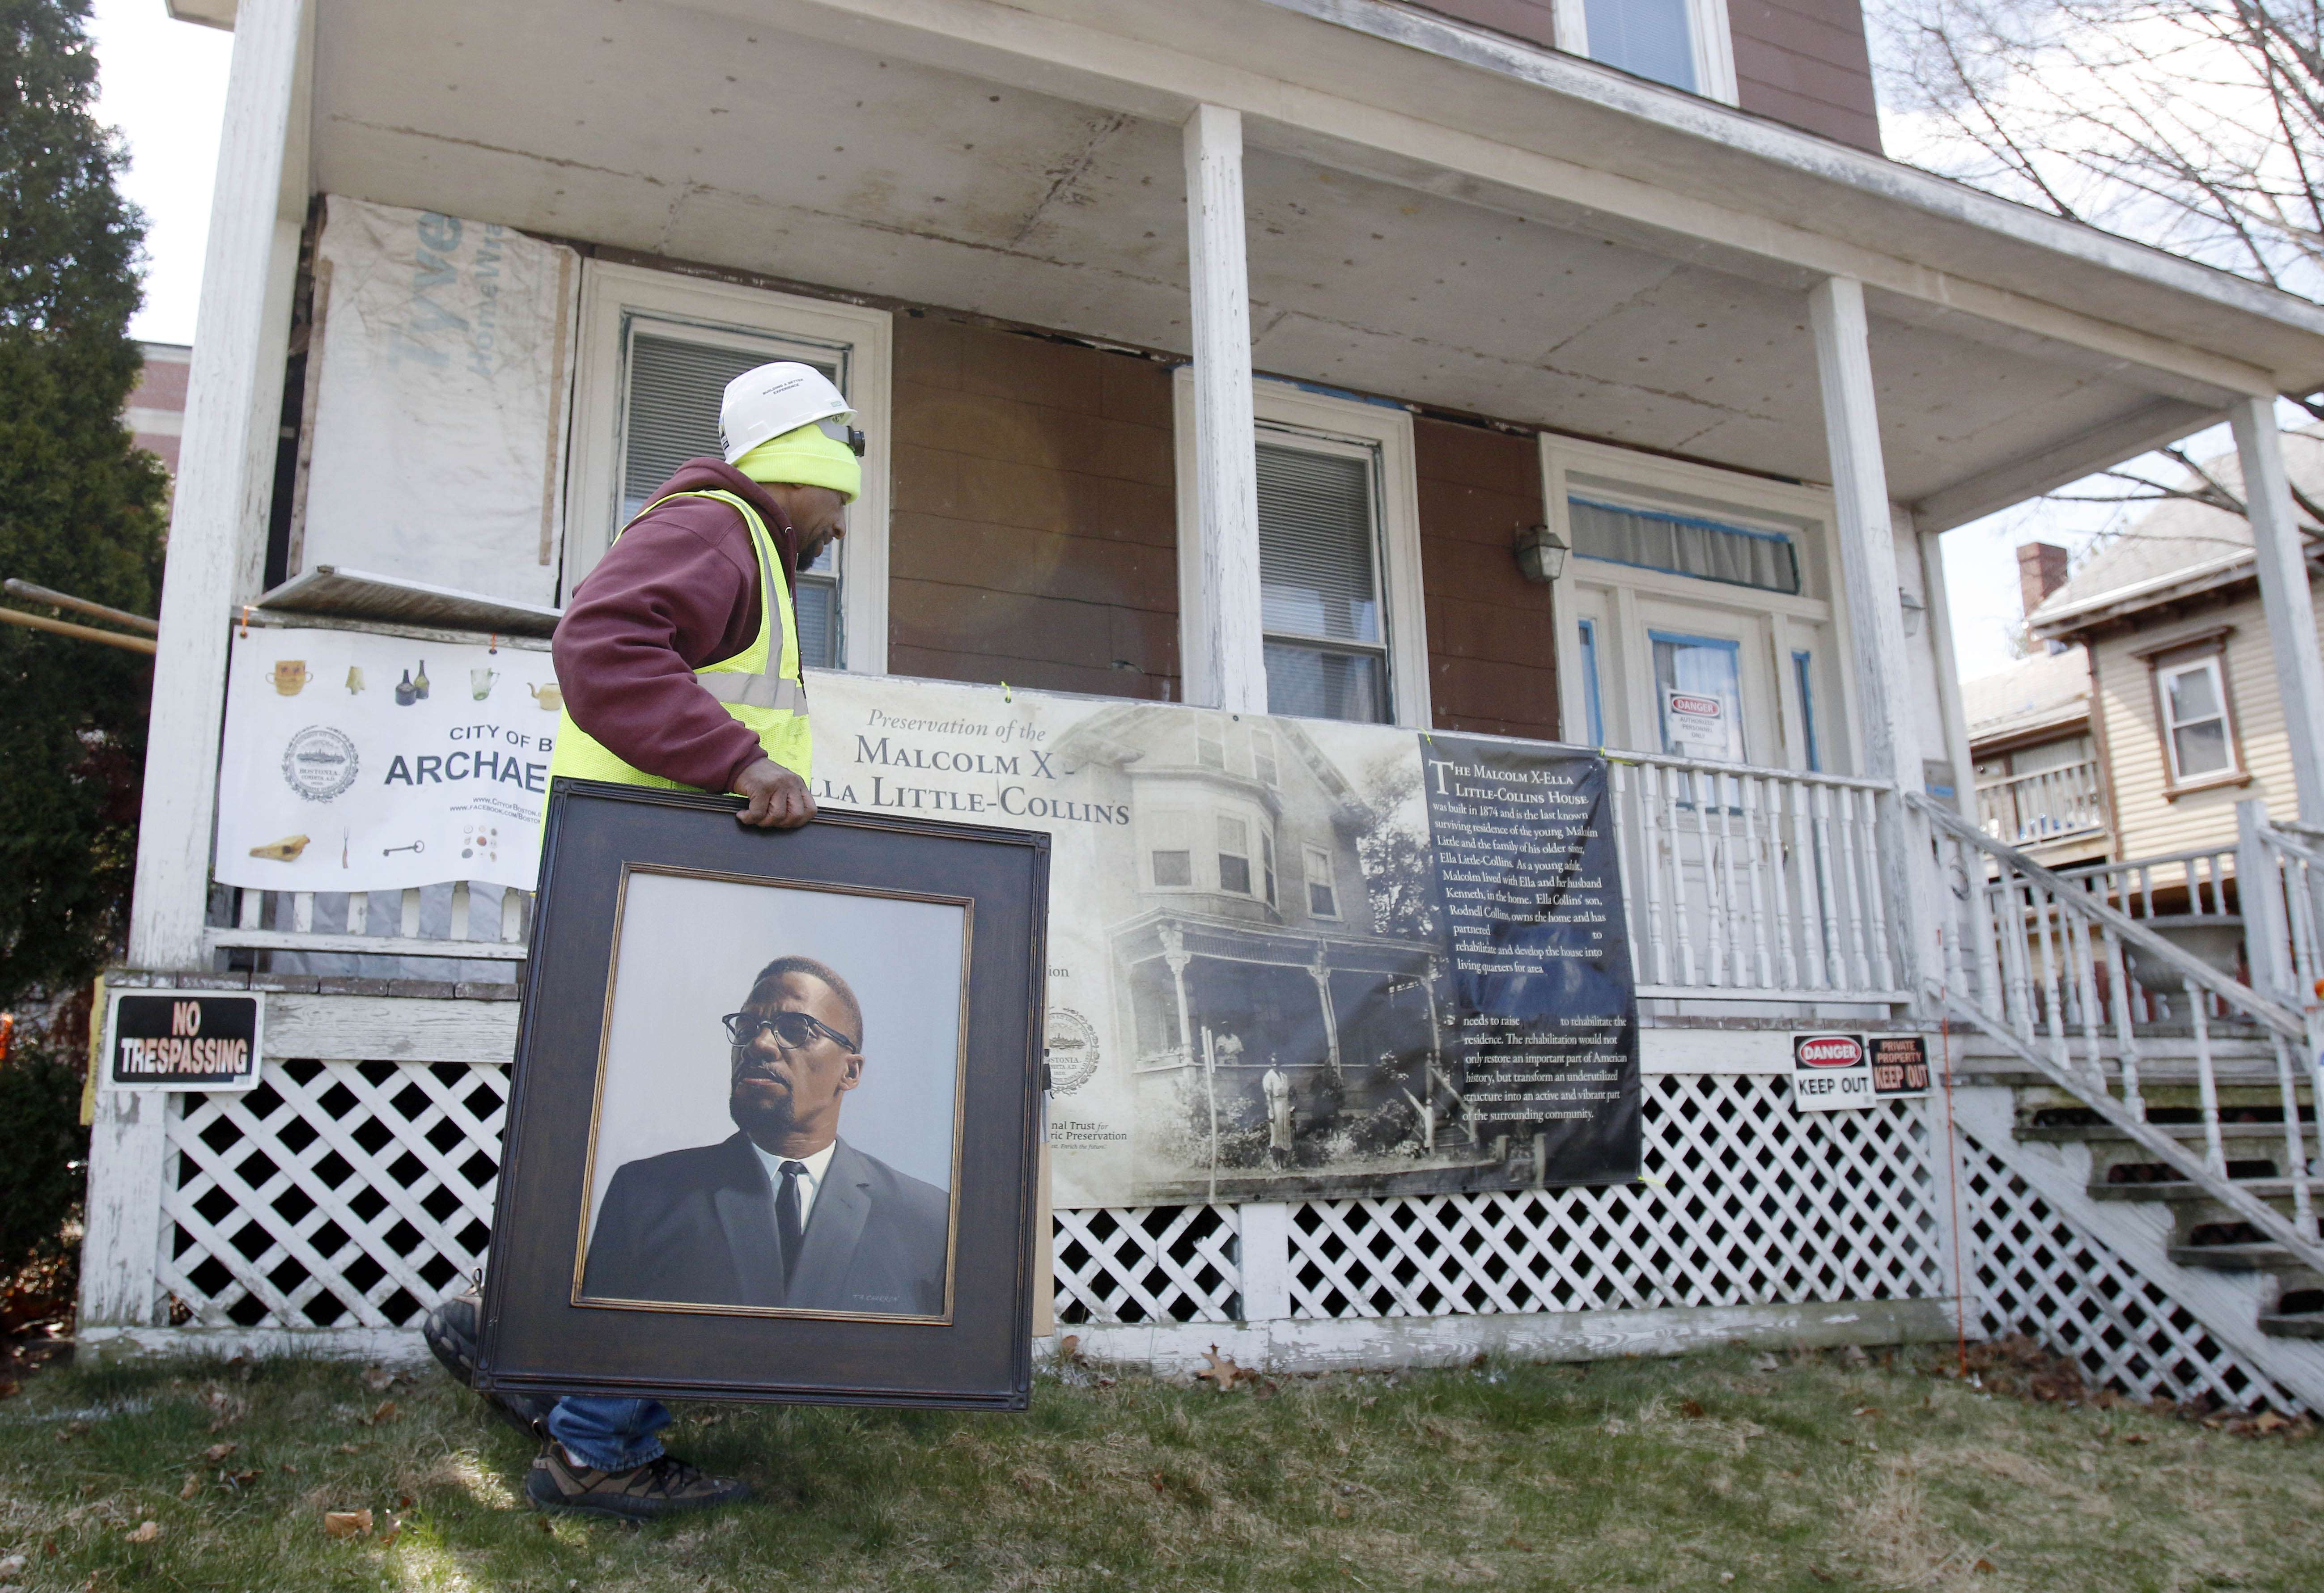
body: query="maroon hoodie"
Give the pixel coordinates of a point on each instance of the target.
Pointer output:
(678, 589)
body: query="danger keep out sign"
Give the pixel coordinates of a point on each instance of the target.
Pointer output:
(1839, 1073)
(181, 1040)
(1831, 1073)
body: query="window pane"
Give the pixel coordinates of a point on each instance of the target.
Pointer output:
(1262, 757)
(2202, 747)
(1700, 695)
(2193, 696)
(1267, 865)
(1684, 545)
(1315, 545)
(670, 408)
(816, 602)
(1235, 874)
(1648, 37)
(1320, 902)
(1312, 683)
(1209, 748)
(1174, 867)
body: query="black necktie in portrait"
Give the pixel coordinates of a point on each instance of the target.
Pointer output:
(788, 1216)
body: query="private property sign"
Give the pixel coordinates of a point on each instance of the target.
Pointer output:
(181, 1040)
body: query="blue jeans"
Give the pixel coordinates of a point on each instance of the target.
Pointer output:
(608, 1433)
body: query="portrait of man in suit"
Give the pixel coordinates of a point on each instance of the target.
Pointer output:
(784, 1214)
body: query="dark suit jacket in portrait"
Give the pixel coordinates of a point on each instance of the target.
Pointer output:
(697, 1228)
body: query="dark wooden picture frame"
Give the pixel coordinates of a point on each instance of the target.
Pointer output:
(543, 1331)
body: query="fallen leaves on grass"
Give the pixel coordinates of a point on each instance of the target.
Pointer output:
(346, 1524)
(220, 1451)
(148, 1531)
(377, 1378)
(193, 1486)
(1223, 1374)
(386, 1414)
(1691, 1409)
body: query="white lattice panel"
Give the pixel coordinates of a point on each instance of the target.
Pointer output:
(1146, 1264)
(334, 1195)
(2038, 1274)
(1752, 1202)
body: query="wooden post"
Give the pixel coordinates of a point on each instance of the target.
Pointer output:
(218, 532)
(2283, 595)
(1865, 527)
(1225, 665)
(1949, 691)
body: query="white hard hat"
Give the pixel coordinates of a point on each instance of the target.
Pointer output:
(775, 398)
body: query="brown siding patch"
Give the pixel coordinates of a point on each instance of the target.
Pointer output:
(1492, 664)
(1034, 537)
(1804, 62)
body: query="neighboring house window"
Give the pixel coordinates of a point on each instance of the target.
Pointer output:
(1262, 758)
(2195, 719)
(1323, 894)
(1234, 856)
(1339, 534)
(657, 352)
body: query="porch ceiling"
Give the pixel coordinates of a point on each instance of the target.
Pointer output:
(673, 130)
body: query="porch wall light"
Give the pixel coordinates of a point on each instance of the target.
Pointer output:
(1914, 608)
(1541, 553)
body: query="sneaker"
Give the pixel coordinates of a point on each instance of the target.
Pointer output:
(661, 1487)
(450, 1329)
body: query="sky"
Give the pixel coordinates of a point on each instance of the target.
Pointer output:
(162, 83)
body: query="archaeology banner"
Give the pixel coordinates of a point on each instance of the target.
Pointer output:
(358, 761)
(1288, 959)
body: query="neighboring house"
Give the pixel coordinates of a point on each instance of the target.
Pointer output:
(1574, 373)
(2038, 785)
(2188, 709)
(156, 412)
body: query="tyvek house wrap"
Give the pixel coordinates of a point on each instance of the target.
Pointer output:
(438, 413)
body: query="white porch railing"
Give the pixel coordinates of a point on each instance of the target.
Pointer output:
(2046, 966)
(2044, 806)
(1752, 884)
(459, 919)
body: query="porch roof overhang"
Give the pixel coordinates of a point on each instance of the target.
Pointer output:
(1436, 214)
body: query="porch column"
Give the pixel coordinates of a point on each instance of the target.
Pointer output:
(2283, 595)
(1321, 974)
(1865, 527)
(217, 544)
(1225, 666)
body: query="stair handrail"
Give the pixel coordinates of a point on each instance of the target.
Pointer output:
(2298, 1236)
(2076, 898)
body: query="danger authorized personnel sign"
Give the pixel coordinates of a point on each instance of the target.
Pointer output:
(1831, 1073)
(181, 1040)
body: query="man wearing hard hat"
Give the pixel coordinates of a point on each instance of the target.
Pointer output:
(678, 660)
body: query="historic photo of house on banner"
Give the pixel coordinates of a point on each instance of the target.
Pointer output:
(1288, 958)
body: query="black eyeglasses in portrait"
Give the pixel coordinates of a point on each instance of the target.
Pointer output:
(793, 1029)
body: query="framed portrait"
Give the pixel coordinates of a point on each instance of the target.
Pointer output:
(772, 1132)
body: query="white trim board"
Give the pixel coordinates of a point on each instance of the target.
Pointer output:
(866, 338)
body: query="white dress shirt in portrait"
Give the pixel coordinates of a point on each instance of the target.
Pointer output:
(810, 1181)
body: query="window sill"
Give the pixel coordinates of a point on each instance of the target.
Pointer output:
(2209, 782)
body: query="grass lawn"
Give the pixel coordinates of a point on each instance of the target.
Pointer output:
(1726, 1471)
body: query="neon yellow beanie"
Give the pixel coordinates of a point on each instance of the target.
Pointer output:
(806, 458)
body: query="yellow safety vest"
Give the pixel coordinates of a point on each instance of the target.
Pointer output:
(759, 686)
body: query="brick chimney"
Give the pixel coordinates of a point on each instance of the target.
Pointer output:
(2041, 570)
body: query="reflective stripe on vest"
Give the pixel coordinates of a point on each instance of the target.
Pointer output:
(757, 691)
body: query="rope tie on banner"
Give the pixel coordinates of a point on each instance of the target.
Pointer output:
(494, 645)
(245, 621)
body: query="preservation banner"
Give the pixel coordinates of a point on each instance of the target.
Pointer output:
(358, 761)
(1288, 959)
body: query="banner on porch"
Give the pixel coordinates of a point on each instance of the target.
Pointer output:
(1288, 959)
(358, 761)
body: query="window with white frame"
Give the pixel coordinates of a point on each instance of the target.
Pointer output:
(1262, 758)
(1235, 855)
(1339, 557)
(1684, 44)
(1170, 851)
(2195, 728)
(1322, 889)
(658, 350)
